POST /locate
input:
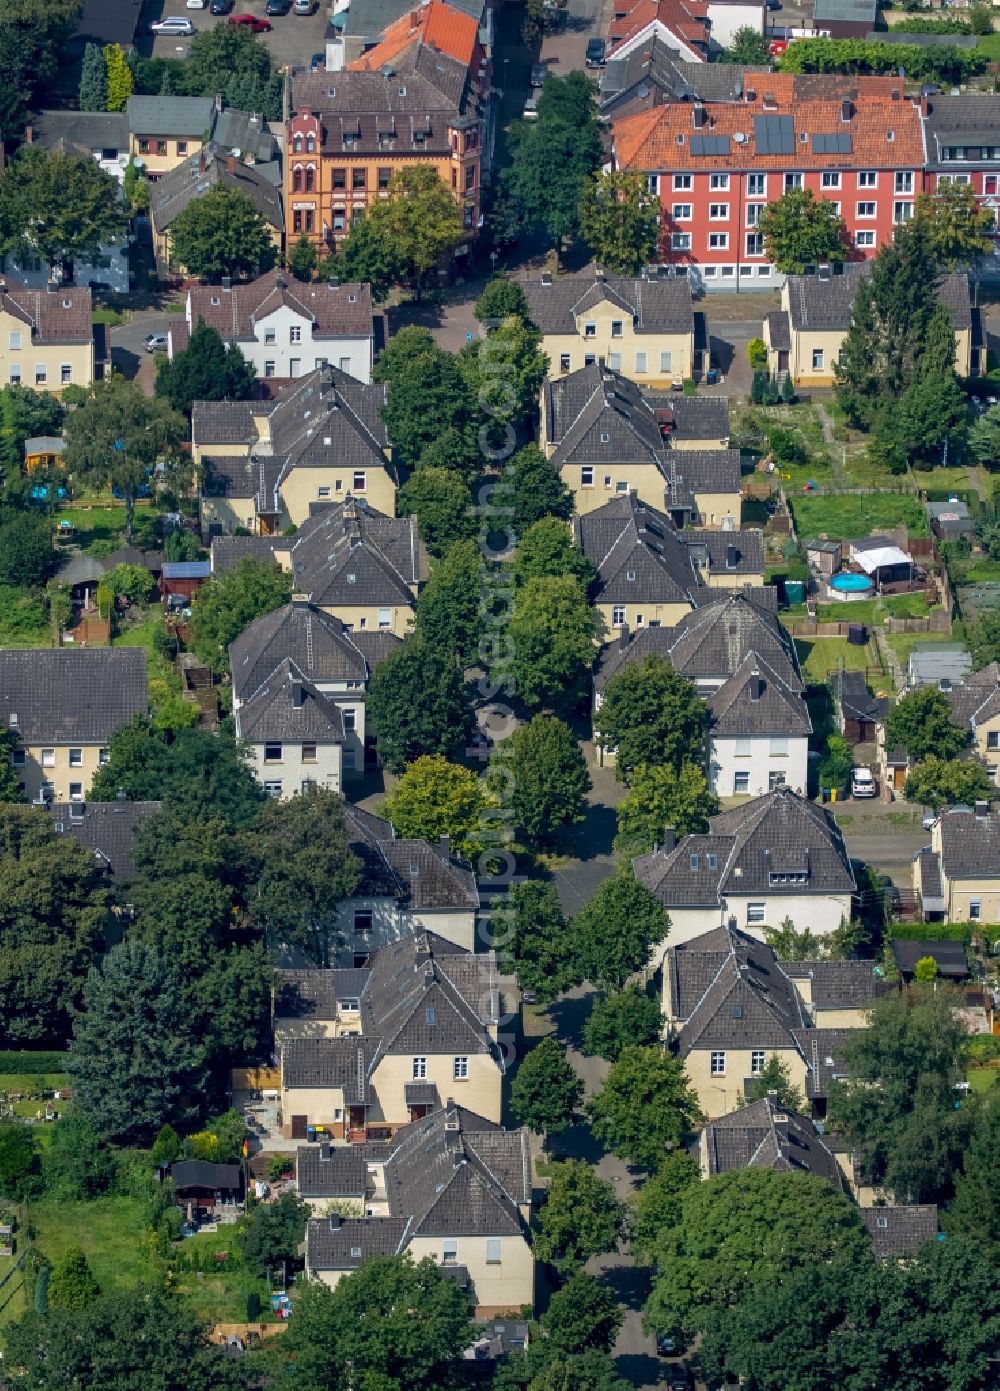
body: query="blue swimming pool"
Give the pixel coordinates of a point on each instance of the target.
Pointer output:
(849, 583)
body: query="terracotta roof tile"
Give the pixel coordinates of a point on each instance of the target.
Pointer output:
(688, 19)
(883, 134)
(438, 25)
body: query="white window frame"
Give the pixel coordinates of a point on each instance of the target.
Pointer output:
(830, 178)
(682, 183)
(866, 209)
(793, 181)
(460, 1069)
(756, 914)
(718, 241)
(864, 239)
(818, 359)
(758, 1061)
(418, 1067)
(717, 1062)
(742, 775)
(719, 183)
(494, 1250)
(619, 615)
(666, 362)
(587, 476)
(680, 241)
(681, 212)
(718, 212)
(640, 362)
(756, 185)
(904, 181)
(867, 178)
(902, 211)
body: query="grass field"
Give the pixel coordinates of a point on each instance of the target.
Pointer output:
(819, 656)
(874, 612)
(990, 45)
(111, 1232)
(844, 515)
(24, 620)
(214, 1281)
(904, 643)
(96, 522)
(982, 1079)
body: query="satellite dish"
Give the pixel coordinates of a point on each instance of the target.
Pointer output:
(236, 152)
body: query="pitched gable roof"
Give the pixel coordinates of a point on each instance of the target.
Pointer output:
(210, 168)
(637, 553)
(437, 24)
(765, 1136)
(827, 303)
(107, 828)
(351, 554)
(319, 646)
(653, 306)
(71, 695)
(422, 999)
(714, 641)
(897, 1232)
(60, 315)
(970, 845)
(840, 984)
(334, 311)
(287, 706)
(596, 415)
(748, 1003)
(756, 700)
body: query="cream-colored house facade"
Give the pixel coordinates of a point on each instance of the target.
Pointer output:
(164, 131)
(47, 338)
(65, 704)
(960, 879)
(641, 328)
(804, 338)
(410, 1049)
(452, 1187)
(975, 705)
(266, 466)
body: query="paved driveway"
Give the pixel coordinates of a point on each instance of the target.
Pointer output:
(563, 52)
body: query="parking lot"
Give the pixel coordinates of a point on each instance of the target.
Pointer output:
(293, 39)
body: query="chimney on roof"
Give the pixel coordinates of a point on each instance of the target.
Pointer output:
(732, 557)
(846, 109)
(772, 1098)
(669, 840)
(296, 694)
(218, 101)
(335, 1221)
(756, 688)
(121, 795)
(698, 115)
(446, 846)
(624, 638)
(202, 160)
(227, 282)
(982, 810)
(334, 283)
(230, 164)
(751, 94)
(414, 19)
(324, 1153)
(599, 273)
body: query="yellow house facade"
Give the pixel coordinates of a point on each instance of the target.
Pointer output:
(165, 130)
(47, 338)
(643, 329)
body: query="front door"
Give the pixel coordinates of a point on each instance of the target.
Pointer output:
(299, 1127)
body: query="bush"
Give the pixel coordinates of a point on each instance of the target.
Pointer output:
(35, 1064)
(757, 353)
(253, 1306)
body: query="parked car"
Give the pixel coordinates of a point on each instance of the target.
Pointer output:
(303, 6)
(666, 1344)
(251, 22)
(678, 1378)
(929, 820)
(774, 4)
(862, 783)
(538, 71)
(596, 49)
(277, 7)
(174, 25)
(220, 6)
(195, 4)
(530, 112)
(155, 342)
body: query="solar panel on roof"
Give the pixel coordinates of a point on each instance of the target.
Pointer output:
(838, 143)
(710, 144)
(774, 135)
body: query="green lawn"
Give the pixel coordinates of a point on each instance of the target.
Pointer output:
(820, 656)
(14, 1299)
(874, 612)
(845, 515)
(24, 620)
(111, 1232)
(904, 643)
(112, 317)
(165, 685)
(213, 1279)
(982, 1079)
(95, 522)
(990, 45)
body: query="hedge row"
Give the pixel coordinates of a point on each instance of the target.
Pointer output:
(33, 1064)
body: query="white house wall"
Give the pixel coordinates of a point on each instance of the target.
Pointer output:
(759, 762)
(351, 354)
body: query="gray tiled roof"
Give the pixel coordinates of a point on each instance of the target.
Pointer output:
(210, 168)
(68, 695)
(970, 845)
(856, 700)
(930, 874)
(756, 700)
(247, 132)
(376, 646)
(107, 828)
(654, 306)
(977, 698)
(653, 73)
(225, 422)
(81, 130)
(422, 1000)
(288, 707)
(631, 647)
(827, 304)
(728, 552)
(840, 984)
(319, 645)
(715, 640)
(169, 115)
(335, 311)
(693, 418)
(693, 471)
(969, 121)
(748, 1003)
(420, 876)
(228, 551)
(899, 1231)
(638, 554)
(598, 416)
(351, 554)
(825, 1053)
(329, 1062)
(335, 1243)
(762, 1136)
(779, 331)
(948, 956)
(314, 993)
(778, 834)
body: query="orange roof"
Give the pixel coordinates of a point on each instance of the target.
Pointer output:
(884, 134)
(688, 19)
(437, 25)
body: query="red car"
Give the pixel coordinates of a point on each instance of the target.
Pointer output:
(251, 22)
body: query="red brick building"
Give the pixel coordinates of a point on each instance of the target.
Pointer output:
(858, 142)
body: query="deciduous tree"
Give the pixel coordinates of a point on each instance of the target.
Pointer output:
(662, 797)
(645, 1108)
(651, 714)
(420, 219)
(959, 227)
(801, 230)
(222, 233)
(18, 1160)
(116, 437)
(229, 602)
(426, 396)
(983, 638)
(984, 437)
(435, 798)
(546, 1091)
(611, 936)
(531, 927)
(304, 869)
(540, 773)
(656, 1207)
(776, 1078)
(302, 259)
(58, 207)
(72, 1284)
(501, 298)
(552, 636)
(620, 220)
(440, 500)
(581, 1217)
(503, 373)
(448, 613)
(119, 77)
(920, 722)
(546, 550)
(625, 1019)
(418, 704)
(747, 46)
(938, 782)
(273, 1233)
(531, 489)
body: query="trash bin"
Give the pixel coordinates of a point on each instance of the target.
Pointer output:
(310, 1132)
(833, 794)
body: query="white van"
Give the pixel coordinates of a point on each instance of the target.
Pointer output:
(862, 783)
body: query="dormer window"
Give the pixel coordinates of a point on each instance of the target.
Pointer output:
(13, 721)
(67, 304)
(216, 300)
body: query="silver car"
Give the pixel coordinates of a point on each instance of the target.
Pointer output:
(155, 342)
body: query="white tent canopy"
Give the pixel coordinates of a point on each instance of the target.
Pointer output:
(870, 561)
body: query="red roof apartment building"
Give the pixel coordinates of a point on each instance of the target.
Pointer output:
(858, 142)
